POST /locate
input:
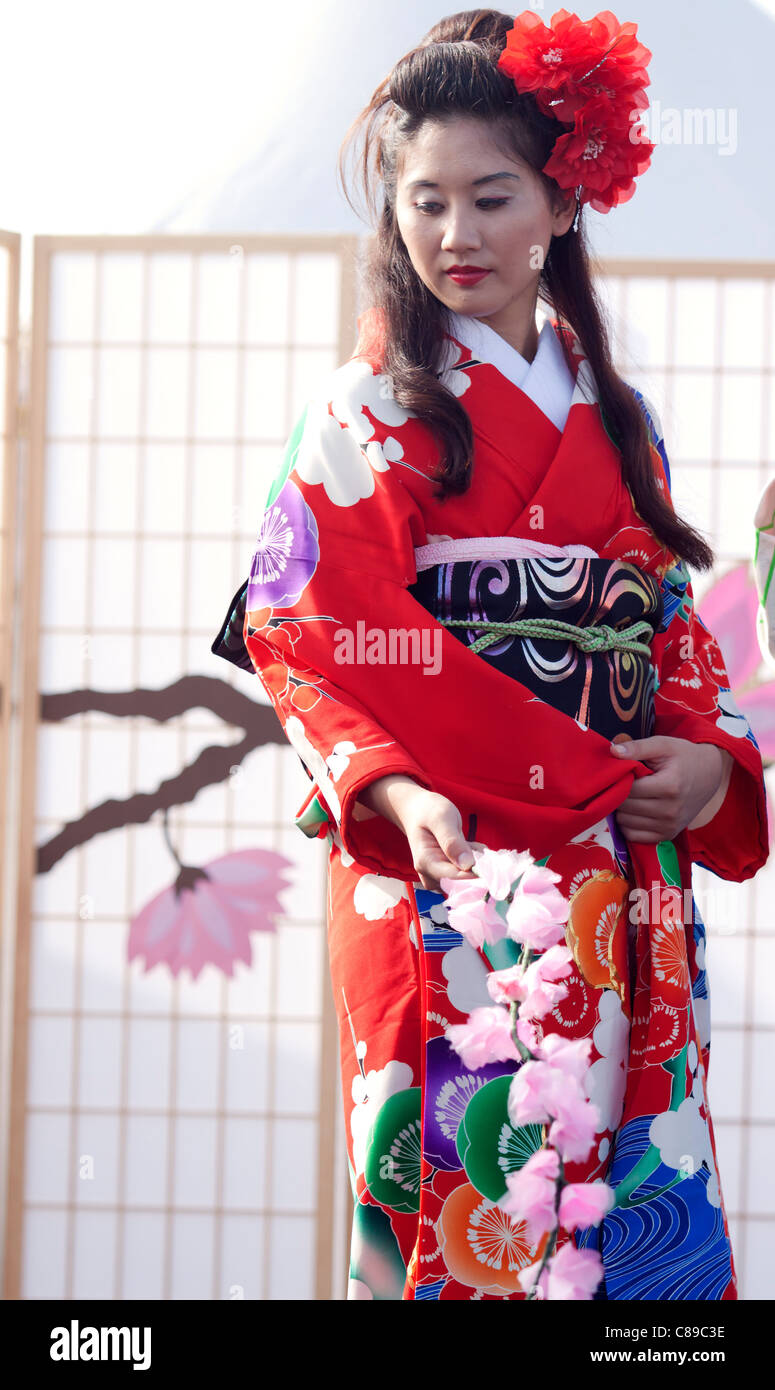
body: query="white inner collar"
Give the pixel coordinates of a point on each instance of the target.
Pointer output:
(547, 380)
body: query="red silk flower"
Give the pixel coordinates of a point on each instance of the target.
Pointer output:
(591, 76)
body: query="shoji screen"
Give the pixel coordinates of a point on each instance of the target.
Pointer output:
(175, 1105)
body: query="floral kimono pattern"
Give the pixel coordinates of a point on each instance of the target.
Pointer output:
(357, 568)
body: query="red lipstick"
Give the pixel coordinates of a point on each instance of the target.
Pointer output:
(466, 274)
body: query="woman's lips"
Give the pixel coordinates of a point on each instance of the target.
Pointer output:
(467, 277)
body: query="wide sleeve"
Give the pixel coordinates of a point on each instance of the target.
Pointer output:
(694, 701)
(337, 529)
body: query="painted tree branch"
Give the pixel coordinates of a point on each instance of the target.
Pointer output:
(212, 765)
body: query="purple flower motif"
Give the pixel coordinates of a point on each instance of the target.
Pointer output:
(450, 1085)
(205, 917)
(286, 554)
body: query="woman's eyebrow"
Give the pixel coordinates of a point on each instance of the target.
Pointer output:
(488, 178)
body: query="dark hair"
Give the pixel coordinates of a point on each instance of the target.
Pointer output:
(453, 71)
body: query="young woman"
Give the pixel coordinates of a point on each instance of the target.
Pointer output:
(464, 474)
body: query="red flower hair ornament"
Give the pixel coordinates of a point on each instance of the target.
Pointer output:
(590, 75)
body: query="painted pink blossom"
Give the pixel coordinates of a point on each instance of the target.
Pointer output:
(532, 1193)
(584, 1204)
(500, 868)
(484, 1037)
(206, 916)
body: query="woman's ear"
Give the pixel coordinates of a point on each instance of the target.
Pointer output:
(564, 211)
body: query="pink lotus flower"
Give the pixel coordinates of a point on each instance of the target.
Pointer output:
(584, 1204)
(470, 913)
(500, 869)
(538, 912)
(206, 916)
(532, 1193)
(569, 1274)
(484, 1037)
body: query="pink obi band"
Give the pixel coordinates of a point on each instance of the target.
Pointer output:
(495, 548)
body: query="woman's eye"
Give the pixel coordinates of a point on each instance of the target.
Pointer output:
(481, 203)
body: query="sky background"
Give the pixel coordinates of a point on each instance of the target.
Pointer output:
(228, 116)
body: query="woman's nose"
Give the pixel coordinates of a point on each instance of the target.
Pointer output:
(460, 233)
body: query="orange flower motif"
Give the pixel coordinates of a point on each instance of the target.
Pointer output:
(597, 931)
(482, 1246)
(669, 959)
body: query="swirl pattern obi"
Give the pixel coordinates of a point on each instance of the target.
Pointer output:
(610, 691)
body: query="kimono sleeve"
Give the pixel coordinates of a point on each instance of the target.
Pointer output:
(694, 701)
(338, 529)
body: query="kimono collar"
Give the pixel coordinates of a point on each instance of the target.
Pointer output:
(547, 380)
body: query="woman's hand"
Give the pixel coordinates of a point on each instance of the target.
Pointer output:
(432, 825)
(686, 789)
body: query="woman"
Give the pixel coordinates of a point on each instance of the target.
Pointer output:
(465, 469)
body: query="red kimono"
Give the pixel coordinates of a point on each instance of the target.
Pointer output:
(357, 568)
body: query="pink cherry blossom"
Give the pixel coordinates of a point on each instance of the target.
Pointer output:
(526, 1279)
(573, 1130)
(500, 868)
(553, 964)
(470, 913)
(585, 1204)
(532, 1193)
(484, 1037)
(505, 985)
(527, 1033)
(537, 914)
(542, 998)
(570, 1055)
(459, 891)
(541, 992)
(573, 1274)
(539, 1091)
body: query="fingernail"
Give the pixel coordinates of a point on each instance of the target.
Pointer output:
(465, 860)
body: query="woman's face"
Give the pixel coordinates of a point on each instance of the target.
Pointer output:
(486, 209)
